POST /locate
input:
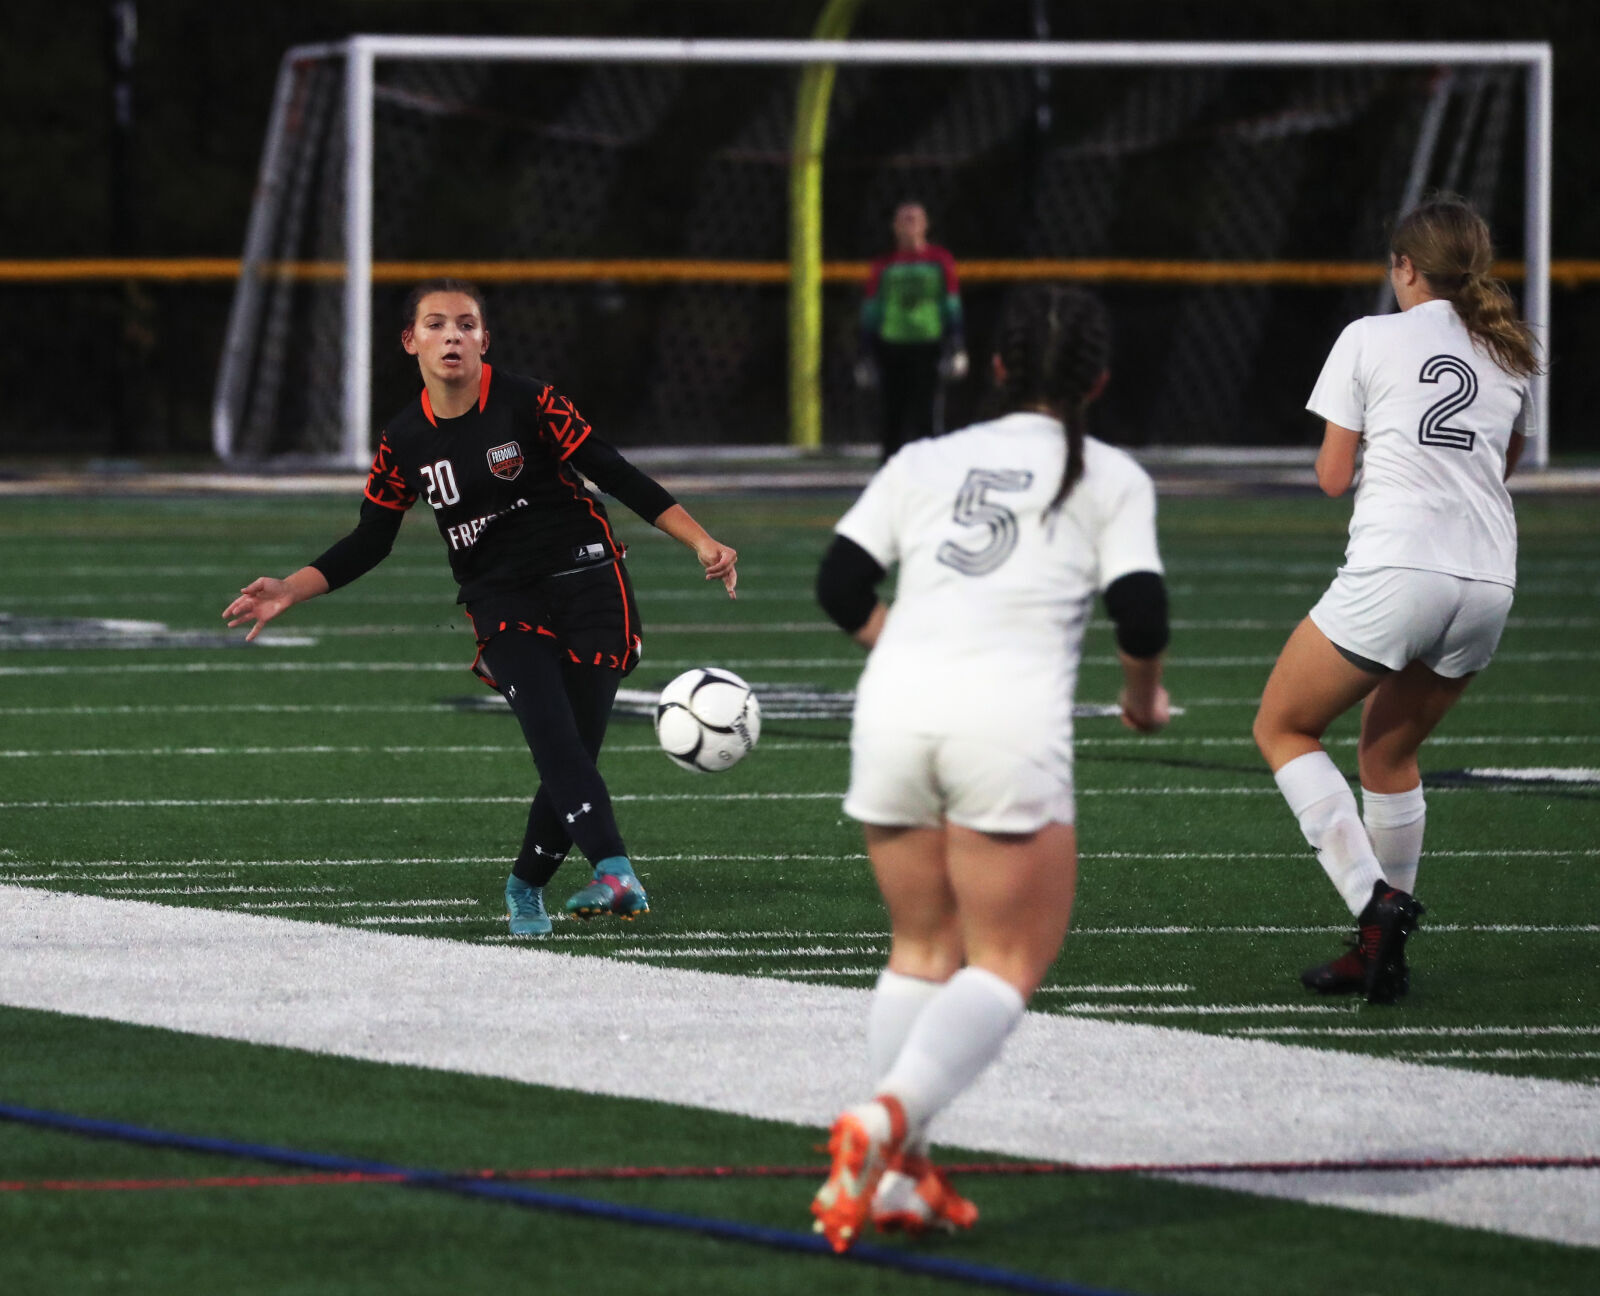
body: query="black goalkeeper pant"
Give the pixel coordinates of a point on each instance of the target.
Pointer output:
(563, 709)
(908, 378)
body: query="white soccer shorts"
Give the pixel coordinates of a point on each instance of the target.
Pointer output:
(903, 780)
(1398, 615)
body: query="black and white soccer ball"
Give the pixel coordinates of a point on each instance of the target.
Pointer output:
(707, 720)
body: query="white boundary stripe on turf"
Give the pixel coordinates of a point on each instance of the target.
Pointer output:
(636, 749)
(761, 857)
(1068, 1088)
(343, 708)
(682, 663)
(376, 749)
(1502, 1054)
(200, 803)
(1444, 1031)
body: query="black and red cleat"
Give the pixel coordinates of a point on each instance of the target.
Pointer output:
(1389, 918)
(1375, 964)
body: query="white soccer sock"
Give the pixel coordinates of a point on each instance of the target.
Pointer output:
(1395, 821)
(897, 1002)
(1326, 808)
(956, 1035)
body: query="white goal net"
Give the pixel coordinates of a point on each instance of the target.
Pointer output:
(625, 207)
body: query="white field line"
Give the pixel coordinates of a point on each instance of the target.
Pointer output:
(386, 708)
(1584, 852)
(195, 803)
(427, 920)
(1482, 697)
(1493, 929)
(366, 749)
(1155, 987)
(114, 877)
(442, 597)
(211, 890)
(731, 951)
(1206, 1010)
(1447, 1032)
(738, 664)
(1280, 625)
(1536, 774)
(635, 749)
(1504, 1054)
(1069, 1087)
(441, 902)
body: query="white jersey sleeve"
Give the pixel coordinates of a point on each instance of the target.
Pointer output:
(1127, 531)
(871, 520)
(1340, 395)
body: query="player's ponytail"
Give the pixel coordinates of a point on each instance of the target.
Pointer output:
(1054, 343)
(1448, 242)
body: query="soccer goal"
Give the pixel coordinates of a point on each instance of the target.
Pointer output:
(626, 205)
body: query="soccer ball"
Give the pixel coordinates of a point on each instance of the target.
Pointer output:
(707, 720)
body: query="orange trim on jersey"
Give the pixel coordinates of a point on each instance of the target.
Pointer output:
(483, 397)
(627, 629)
(388, 504)
(574, 445)
(588, 501)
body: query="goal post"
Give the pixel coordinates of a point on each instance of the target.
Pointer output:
(325, 131)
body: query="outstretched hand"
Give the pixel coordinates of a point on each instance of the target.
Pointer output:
(718, 560)
(260, 601)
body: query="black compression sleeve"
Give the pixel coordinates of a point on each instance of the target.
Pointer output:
(601, 463)
(364, 548)
(847, 584)
(1137, 603)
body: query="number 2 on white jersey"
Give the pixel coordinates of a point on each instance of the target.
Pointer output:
(1433, 431)
(974, 508)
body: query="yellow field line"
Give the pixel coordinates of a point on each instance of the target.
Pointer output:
(1565, 274)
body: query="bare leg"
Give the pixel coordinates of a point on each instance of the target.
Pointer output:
(1310, 687)
(1015, 895)
(925, 933)
(1400, 713)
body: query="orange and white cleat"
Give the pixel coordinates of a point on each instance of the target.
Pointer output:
(862, 1143)
(914, 1197)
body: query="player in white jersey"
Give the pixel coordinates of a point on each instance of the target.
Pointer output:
(1437, 400)
(961, 745)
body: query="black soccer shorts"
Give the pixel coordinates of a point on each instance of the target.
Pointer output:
(590, 613)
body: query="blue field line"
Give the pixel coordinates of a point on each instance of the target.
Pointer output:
(534, 1199)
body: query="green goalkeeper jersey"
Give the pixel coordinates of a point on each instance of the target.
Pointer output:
(913, 297)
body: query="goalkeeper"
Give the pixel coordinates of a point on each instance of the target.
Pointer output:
(497, 457)
(911, 332)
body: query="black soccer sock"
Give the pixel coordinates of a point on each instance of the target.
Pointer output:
(563, 712)
(544, 845)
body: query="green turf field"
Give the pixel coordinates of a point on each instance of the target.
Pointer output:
(341, 781)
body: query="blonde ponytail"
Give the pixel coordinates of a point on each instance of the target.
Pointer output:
(1486, 308)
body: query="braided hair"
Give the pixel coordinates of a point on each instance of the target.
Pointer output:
(1448, 242)
(1054, 342)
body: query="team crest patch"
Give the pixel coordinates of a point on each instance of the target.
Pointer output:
(505, 461)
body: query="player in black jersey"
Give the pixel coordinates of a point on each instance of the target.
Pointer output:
(497, 457)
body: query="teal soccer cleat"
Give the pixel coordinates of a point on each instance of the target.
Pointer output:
(525, 905)
(610, 893)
